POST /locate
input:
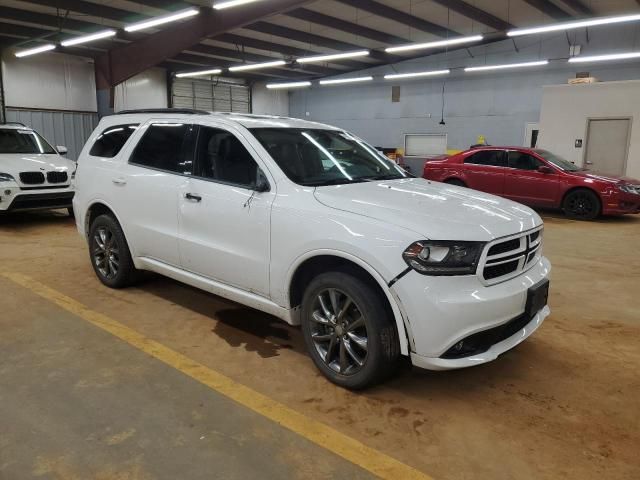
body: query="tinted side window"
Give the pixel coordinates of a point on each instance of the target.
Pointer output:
(221, 156)
(111, 141)
(523, 161)
(161, 147)
(494, 158)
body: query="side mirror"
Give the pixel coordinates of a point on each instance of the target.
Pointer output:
(62, 150)
(262, 185)
(544, 169)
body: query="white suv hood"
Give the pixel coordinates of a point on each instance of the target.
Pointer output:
(433, 210)
(14, 163)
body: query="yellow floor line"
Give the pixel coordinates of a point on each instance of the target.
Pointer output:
(346, 447)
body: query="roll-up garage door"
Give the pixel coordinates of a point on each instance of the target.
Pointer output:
(212, 95)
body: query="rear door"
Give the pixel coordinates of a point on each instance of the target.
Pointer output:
(146, 189)
(485, 170)
(524, 183)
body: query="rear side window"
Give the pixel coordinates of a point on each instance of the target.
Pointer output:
(161, 148)
(111, 141)
(523, 161)
(494, 158)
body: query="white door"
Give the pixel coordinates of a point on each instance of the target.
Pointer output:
(147, 191)
(224, 222)
(607, 145)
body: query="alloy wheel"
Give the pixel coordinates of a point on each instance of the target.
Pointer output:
(106, 254)
(580, 204)
(339, 332)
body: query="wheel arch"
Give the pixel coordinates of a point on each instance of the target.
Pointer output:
(455, 177)
(580, 187)
(95, 209)
(315, 263)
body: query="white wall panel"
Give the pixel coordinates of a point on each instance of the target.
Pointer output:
(146, 90)
(269, 102)
(50, 81)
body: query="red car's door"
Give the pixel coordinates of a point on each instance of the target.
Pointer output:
(484, 171)
(525, 183)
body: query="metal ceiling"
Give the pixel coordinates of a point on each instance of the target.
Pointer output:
(274, 29)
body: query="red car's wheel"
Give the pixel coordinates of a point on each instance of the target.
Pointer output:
(581, 204)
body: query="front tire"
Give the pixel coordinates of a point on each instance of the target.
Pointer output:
(348, 330)
(581, 204)
(109, 253)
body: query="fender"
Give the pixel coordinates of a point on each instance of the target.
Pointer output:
(94, 201)
(403, 330)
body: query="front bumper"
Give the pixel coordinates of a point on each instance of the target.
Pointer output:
(620, 203)
(15, 199)
(442, 311)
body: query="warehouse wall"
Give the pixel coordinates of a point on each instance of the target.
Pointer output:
(497, 105)
(567, 108)
(146, 90)
(269, 102)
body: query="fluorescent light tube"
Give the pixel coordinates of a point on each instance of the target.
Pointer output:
(276, 86)
(571, 25)
(333, 56)
(213, 71)
(154, 22)
(509, 65)
(88, 38)
(34, 51)
(437, 44)
(604, 58)
(254, 66)
(231, 3)
(345, 80)
(432, 73)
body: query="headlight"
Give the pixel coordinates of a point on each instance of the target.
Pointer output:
(629, 188)
(443, 257)
(5, 177)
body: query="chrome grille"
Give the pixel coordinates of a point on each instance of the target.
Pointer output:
(508, 257)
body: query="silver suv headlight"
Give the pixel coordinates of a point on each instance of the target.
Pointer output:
(440, 257)
(5, 177)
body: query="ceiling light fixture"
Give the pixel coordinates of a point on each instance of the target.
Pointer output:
(255, 66)
(509, 65)
(571, 25)
(34, 51)
(437, 44)
(88, 38)
(277, 86)
(333, 56)
(213, 71)
(231, 3)
(397, 76)
(338, 81)
(604, 58)
(154, 22)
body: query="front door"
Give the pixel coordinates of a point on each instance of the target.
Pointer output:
(484, 171)
(607, 145)
(224, 221)
(524, 183)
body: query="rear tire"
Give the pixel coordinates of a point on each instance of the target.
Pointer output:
(71, 212)
(581, 204)
(456, 182)
(349, 331)
(109, 253)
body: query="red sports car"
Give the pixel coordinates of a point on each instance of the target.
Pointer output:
(538, 178)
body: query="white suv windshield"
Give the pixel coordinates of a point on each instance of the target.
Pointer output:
(325, 157)
(23, 141)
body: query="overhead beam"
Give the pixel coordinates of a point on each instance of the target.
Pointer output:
(344, 26)
(579, 7)
(549, 9)
(384, 11)
(121, 63)
(476, 14)
(45, 19)
(304, 37)
(92, 9)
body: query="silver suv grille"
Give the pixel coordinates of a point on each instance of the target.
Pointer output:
(508, 257)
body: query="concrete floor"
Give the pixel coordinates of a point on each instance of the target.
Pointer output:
(76, 402)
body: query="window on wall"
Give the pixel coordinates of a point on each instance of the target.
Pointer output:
(493, 158)
(161, 148)
(110, 141)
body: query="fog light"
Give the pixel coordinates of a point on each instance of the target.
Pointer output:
(7, 192)
(458, 346)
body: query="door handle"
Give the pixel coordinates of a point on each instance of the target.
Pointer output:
(119, 181)
(191, 196)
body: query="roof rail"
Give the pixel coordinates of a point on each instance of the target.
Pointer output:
(179, 111)
(14, 123)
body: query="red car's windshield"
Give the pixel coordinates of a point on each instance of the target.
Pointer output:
(558, 161)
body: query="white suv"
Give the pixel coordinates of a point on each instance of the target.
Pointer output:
(33, 174)
(311, 224)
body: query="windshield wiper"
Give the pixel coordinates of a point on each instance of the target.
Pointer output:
(335, 181)
(390, 176)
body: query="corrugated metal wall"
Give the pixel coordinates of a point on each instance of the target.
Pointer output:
(71, 129)
(210, 95)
